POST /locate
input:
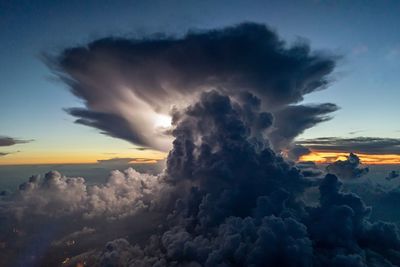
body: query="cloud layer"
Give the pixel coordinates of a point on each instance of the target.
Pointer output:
(362, 145)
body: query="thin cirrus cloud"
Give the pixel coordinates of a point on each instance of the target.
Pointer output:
(127, 161)
(127, 84)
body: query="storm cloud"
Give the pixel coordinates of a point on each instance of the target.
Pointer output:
(126, 83)
(239, 204)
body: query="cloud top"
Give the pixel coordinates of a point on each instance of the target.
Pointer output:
(126, 83)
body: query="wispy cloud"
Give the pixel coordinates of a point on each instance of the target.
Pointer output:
(363, 145)
(128, 161)
(10, 141)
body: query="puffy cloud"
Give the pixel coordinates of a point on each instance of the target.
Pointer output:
(361, 145)
(349, 168)
(127, 83)
(124, 193)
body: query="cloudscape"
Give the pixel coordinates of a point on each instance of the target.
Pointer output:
(170, 134)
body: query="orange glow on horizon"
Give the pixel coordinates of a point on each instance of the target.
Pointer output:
(324, 157)
(151, 157)
(38, 158)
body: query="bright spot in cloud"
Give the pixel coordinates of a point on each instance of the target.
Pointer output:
(162, 121)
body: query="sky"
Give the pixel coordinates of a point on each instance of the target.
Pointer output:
(364, 34)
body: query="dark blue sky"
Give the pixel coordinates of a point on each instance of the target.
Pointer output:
(365, 33)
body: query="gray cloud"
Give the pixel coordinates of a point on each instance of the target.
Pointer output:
(9, 141)
(347, 169)
(125, 82)
(392, 175)
(296, 151)
(361, 145)
(294, 120)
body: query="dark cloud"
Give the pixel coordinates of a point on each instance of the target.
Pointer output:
(2, 154)
(125, 82)
(392, 175)
(141, 148)
(293, 120)
(309, 169)
(9, 141)
(361, 145)
(242, 207)
(347, 169)
(296, 151)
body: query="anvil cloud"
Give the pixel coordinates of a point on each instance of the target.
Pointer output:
(126, 84)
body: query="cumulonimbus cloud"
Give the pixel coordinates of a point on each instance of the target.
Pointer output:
(127, 83)
(226, 198)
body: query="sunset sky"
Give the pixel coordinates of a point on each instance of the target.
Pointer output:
(366, 39)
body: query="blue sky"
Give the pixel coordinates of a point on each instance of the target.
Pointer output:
(365, 33)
